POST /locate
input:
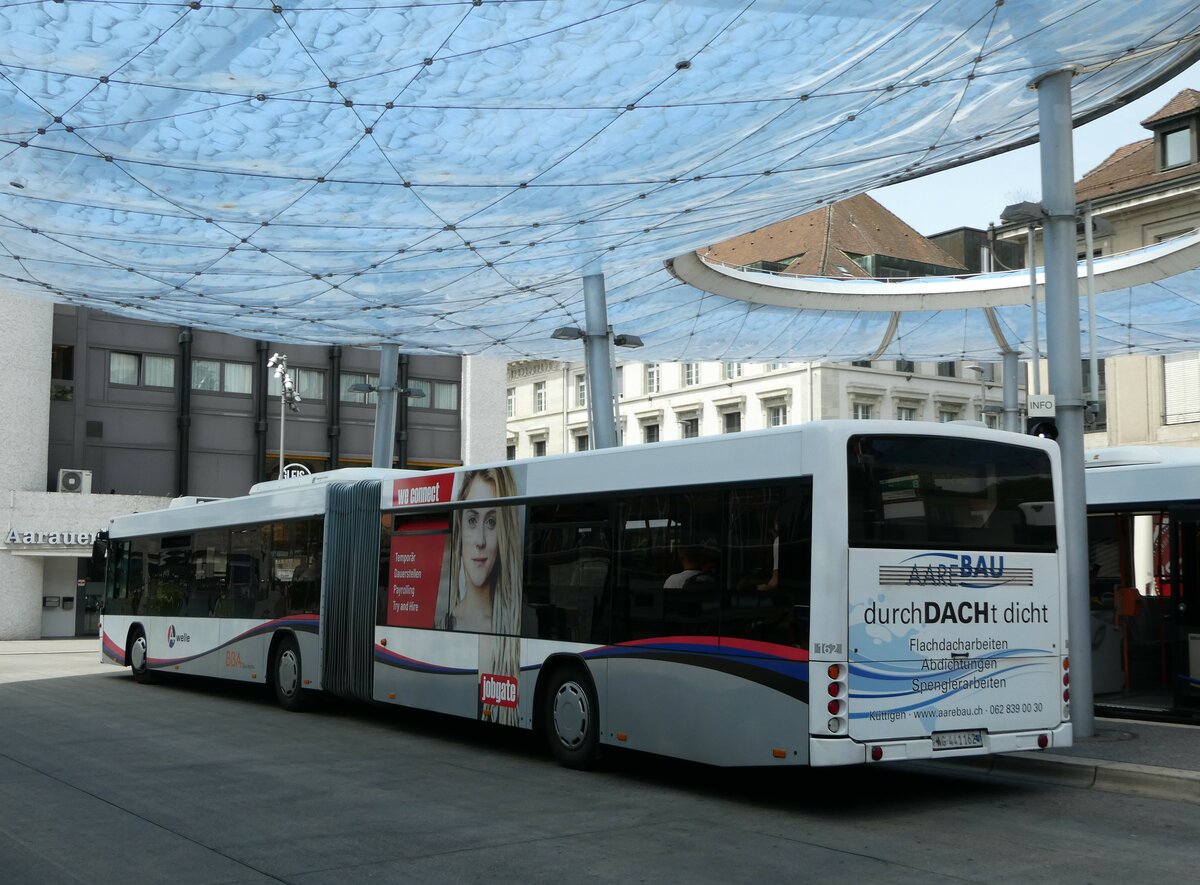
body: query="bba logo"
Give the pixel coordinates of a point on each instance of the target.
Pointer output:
(498, 690)
(173, 637)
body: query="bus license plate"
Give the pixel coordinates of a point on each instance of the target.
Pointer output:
(957, 740)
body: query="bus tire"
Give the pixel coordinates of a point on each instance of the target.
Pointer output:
(286, 674)
(571, 718)
(139, 657)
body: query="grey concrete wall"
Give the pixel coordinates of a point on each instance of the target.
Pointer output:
(23, 572)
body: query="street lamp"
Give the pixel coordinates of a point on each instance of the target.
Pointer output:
(984, 407)
(287, 396)
(602, 434)
(385, 412)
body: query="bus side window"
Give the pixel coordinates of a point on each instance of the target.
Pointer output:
(568, 559)
(770, 550)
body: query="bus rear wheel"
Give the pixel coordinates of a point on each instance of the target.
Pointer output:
(139, 656)
(286, 675)
(570, 718)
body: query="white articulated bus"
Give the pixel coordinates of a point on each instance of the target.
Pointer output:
(826, 594)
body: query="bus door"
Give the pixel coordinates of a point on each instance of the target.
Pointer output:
(1185, 605)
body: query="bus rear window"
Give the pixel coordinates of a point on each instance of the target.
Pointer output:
(911, 491)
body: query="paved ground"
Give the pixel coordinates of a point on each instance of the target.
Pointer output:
(104, 780)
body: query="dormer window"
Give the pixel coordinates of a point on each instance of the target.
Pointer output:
(1176, 147)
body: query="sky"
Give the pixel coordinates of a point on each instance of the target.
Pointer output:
(975, 194)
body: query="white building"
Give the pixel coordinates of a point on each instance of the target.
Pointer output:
(547, 400)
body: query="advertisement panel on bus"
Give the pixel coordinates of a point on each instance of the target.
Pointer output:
(958, 641)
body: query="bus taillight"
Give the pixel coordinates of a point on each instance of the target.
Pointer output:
(836, 706)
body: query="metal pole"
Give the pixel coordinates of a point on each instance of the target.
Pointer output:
(385, 407)
(1012, 406)
(282, 412)
(1035, 333)
(599, 363)
(1062, 347)
(1093, 399)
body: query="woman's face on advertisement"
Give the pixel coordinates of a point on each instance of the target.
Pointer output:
(479, 527)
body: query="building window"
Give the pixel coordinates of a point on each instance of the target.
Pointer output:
(650, 433)
(62, 373)
(581, 442)
(310, 384)
(730, 371)
(510, 452)
(947, 370)
(1176, 147)
(906, 366)
(945, 416)
(361, 397)
(862, 364)
(777, 416)
(149, 370)
(1097, 420)
(731, 422)
(691, 374)
(580, 391)
(539, 397)
(689, 428)
(215, 375)
(775, 367)
(438, 394)
(510, 398)
(1181, 388)
(539, 448)
(862, 411)
(906, 413)
(653, 376)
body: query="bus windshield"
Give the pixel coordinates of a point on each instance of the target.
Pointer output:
(912, 491)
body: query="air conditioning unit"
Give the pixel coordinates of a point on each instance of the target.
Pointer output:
(77, 481)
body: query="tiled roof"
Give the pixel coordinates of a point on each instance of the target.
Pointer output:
(819, 243)
(1185, 101)
(1132, 166)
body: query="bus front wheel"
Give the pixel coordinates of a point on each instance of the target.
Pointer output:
(571, 718)
(286, 675)
(139, 656)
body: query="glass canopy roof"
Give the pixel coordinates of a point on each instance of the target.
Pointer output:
(439, 174)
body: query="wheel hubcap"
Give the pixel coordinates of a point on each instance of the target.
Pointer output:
(288, 675)
(138, 653)
(571, 715)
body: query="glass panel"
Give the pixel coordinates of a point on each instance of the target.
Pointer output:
(206, 375)
(670, 566)
(160, 370)
(310, 384)
(1177, 147)
(949, 493)
(239, 378)
(568, 562)
(445, 395)
(123, 368)
(770, 554)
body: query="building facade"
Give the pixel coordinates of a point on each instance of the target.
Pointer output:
(1146, 191)
(111, 416)
(548, 413)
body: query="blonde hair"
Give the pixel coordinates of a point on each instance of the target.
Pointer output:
(505, 580)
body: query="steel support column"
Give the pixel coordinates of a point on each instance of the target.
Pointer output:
(1012, 402)
(598, 351)
(385, 407)
(1066, 383)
